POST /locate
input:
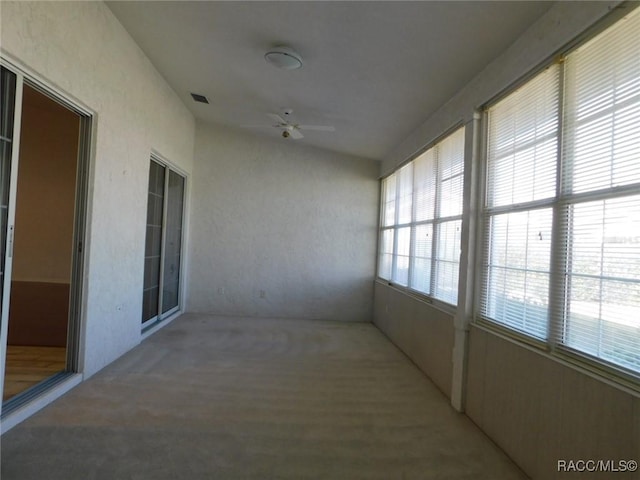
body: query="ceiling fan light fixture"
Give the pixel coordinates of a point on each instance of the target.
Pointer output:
(283, 57)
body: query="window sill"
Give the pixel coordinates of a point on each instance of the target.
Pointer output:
(432, 302)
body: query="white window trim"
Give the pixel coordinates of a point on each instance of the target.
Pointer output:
(417, 294)
(552, 346)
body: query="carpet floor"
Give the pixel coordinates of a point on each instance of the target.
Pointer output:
(231, 398)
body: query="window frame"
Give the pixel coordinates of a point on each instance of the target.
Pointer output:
(560, 203)
(435, 221)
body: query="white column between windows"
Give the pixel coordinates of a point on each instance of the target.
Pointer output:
(464, 312)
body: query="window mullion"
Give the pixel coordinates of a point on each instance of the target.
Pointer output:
(412, 234)
(396, 220)
(381, 223)
(558, 281)
(436, 221)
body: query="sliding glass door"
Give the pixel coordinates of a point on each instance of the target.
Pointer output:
(44, 154)
(173, 242)
(163, 250)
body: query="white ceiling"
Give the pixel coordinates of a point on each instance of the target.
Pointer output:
(374, 70)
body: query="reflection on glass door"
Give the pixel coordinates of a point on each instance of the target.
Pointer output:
(163, 247)
(173, 242)
(153, 247)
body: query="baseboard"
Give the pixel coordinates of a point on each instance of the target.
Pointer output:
(35, 399)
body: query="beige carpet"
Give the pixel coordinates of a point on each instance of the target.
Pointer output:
(228, 398)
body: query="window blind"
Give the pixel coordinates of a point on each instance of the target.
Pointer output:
(601, 181)
(523, 142)
(389, 200)
(562, 252)
(603, 280)
(602, 137)
(421, 221)
(521, 172)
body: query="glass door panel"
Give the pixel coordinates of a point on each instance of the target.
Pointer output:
(153, 247)
(163, 249)
(173, 242)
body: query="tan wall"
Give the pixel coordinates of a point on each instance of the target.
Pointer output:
(39, 314)
(540, 410)
(46, 191)
(422, 332)
(537, 409)
(45, 204)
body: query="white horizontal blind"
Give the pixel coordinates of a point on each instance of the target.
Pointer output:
(389, 200)
(447, 262)
(403, 235)
(449, 217)
(385, 260)
(425, 179)
(517, 274)
(521, 185)
(388, 219)
(421, 221)
(602, 138)
(603, 304)
(523, 143)
(562, 255)
(422, 258)
(425, 188)
(450, 174)
(405, 194)
(602, 185)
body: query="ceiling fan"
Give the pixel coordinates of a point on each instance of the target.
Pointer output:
(290, 129)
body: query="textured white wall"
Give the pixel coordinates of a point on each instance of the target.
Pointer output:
(297, 223)
(82, 49)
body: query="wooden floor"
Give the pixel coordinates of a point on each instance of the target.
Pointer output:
(27, 366)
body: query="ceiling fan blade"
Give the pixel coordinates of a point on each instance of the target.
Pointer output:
(257, 126)
(276, 117)
(320, 128)
(295, 134)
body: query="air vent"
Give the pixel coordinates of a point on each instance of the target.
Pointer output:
(199, 98)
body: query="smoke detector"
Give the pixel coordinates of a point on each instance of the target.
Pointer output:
(284, 57)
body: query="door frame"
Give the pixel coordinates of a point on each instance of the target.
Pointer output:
(151, 325)
(11, 215)
(77, 298)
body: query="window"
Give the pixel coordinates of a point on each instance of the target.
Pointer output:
(421, 221)
(562, 205)
(163, 250)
